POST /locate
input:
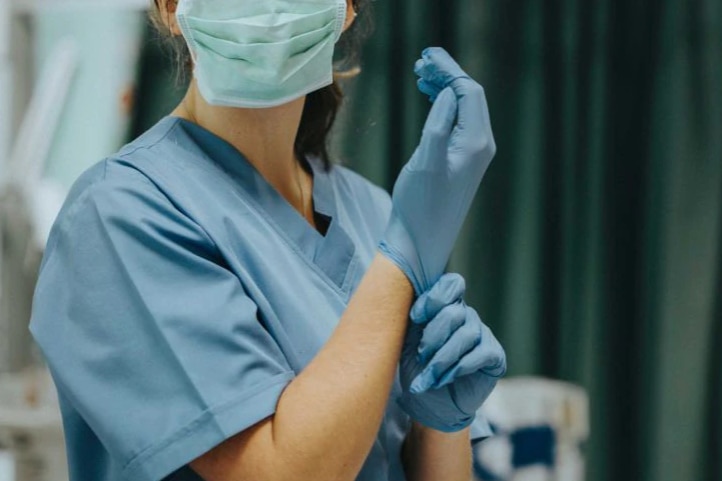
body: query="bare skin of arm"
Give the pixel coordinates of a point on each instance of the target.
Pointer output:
(431, 455)
(328, 417)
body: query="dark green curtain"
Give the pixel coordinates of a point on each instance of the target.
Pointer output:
(593, 249)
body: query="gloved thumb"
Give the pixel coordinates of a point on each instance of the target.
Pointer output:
(439, 126)
(449, 290)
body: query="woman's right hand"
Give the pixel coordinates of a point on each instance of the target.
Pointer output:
(434, 191)
(451, 360)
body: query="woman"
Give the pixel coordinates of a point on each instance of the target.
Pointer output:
(218, 302)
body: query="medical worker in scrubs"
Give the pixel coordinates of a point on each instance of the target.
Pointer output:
(219, 302)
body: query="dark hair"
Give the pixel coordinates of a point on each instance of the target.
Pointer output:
(322, 106)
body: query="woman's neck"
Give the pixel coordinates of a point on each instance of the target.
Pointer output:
(266, 137)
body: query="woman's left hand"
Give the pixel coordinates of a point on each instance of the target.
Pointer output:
(451, 361)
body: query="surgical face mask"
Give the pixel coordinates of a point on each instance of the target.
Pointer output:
(261, 53)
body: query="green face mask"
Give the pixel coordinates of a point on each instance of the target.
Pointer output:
(261, 53)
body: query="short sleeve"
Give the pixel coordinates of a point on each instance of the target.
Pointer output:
(148, 334)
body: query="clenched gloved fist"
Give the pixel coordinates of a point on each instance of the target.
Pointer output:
(451, 361)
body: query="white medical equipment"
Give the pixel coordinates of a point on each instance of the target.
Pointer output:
(7, 465)
(541, 427)
(30, 429)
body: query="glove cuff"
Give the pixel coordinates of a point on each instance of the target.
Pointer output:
(423, 416)
(392, 254)
(400, 249)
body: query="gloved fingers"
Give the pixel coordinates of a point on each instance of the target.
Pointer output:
(488, 356)
(497, 358)
(473, 108)
(433, 148)
(437, 67)
(432, 153)
(471, 391)
(440, 329)
(448, 290)
(459, 344)
(412, 340)
(472, 146)
(481, 359)
(428, 88)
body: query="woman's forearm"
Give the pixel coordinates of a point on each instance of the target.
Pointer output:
(328, 417)
(335, 407)
(431, 455)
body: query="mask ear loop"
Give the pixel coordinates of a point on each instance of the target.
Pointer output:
(186, 31)
(341, 10)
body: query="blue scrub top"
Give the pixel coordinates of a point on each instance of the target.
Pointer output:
(180, 294)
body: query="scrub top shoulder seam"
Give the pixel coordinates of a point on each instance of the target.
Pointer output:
(158, 192)
(135, 148)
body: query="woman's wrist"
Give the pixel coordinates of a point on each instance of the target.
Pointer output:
(395, 274)
(432, 455)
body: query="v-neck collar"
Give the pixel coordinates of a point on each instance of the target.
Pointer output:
(332, 253)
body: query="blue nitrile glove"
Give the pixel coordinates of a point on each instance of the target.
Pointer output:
(434, 190)
(451, 361)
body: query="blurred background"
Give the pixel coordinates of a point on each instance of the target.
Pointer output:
(593, 249)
